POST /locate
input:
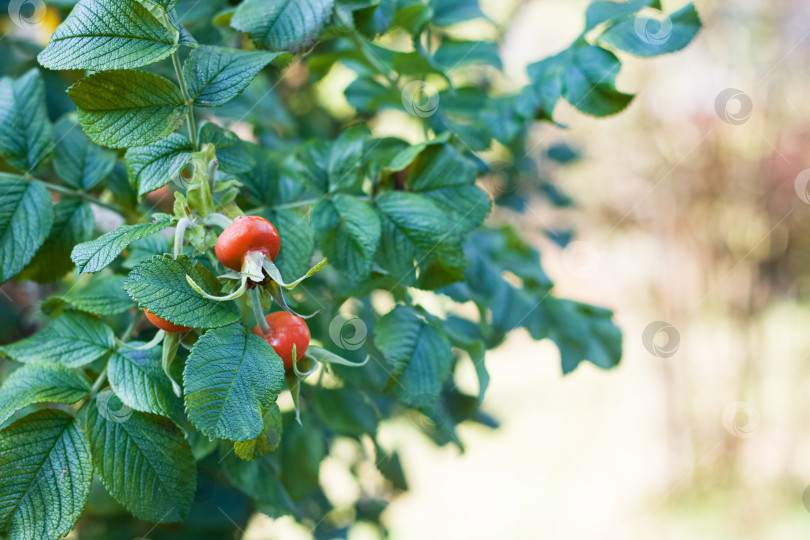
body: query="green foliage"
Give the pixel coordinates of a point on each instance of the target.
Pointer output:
(45, 473)
(159, 284)
(230, 380)
(124, 108)
(37, 383)
(95, 255)
(199, 406)
(26, 216)
(26, 136)
(73, 339)
(142, 459)
(112, 34)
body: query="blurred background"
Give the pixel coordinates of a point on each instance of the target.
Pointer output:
(692, 211)
(692, 224)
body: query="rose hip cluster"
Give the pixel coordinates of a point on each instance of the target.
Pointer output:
(245, 235)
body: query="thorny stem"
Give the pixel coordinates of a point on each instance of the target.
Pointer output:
(192, 130)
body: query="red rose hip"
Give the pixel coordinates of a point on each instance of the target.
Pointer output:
(246, 234)
(163, 324)
(285, 331)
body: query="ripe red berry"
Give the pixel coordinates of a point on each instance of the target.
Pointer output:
(163, 324)
(244, 235)
(285, 331)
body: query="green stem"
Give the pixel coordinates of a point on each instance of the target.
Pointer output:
(368, 53)
(256, 304)
(81, 195)
(178, 71)
(218, 220)
(179, 233)
(99, 382)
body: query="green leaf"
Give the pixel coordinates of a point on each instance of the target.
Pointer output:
(76, 161)
(267, 441)
(233, 153)
(127, 108)
(146, 247)
(547, 83)
(45, 474)
(346, 412)
(589, 82)
(345, 158)
(414, 228)
(601, 11)
(583, 332)
(95, 255)
(295, 255)
(447, 178)
(260, 479)
(100, 35)
(73, 339)
(26, 215)
(26, 135)
(231, 378)
(349, 232)
(367, 95)
(450, 12)
(453, 54)
(159, 284)
(466, 335)
(167, 5)
(651, 36)
(154, 165)
(282, 25)
(140, 383)
(73, 223)
(216, 75)
(302, 450)
(37, 383)
(142, 459)
(101, 296)
(419, 355)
